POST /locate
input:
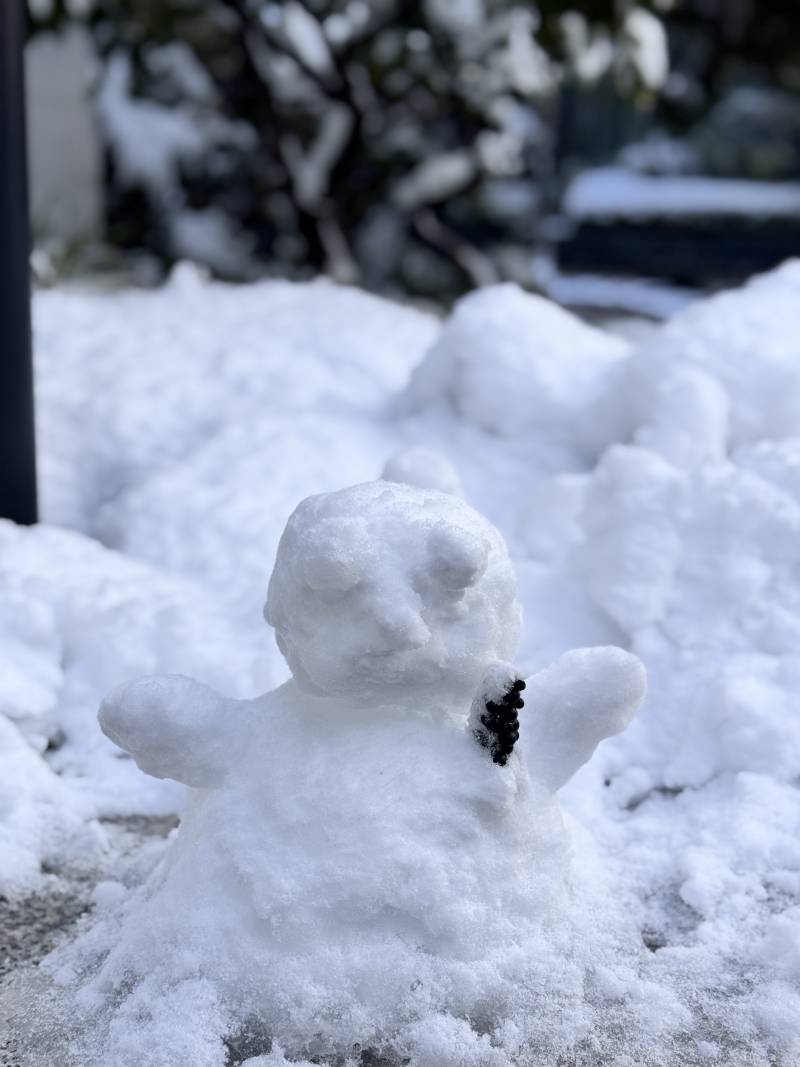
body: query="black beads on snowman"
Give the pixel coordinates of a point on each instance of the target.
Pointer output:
(499, 729)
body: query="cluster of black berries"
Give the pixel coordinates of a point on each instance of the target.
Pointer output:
(501, 724)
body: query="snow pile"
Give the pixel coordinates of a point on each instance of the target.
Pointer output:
(725, 369)
(514, 364)
(113, 415)
(42, 826)
(649, 498)
(85, 619)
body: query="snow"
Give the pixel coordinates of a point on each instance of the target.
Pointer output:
(649, 496)
(485, 364)
(163, 134)
(424, 468)
(638, 296)
(617, 193)
(43, 824)
(385, 588)
(647, 42)
(351, 851)
(435, 179)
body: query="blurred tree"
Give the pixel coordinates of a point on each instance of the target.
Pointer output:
(735, 86)
(398, 143)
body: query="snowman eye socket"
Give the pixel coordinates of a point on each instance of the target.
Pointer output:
(456, 560)
(330, 574)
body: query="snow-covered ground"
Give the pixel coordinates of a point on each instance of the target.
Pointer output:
(650, 498)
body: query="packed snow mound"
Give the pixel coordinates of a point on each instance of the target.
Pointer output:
(517, 364)
(241, 354)
(725, 371)
(385, 589)
(87, 618)
(365, 871)
(30, 670)
(250, 476)
(42, 825)
(700, 570)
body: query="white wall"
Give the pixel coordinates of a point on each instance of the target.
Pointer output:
(63, 148)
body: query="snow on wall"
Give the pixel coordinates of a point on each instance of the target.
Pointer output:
(617, 193)
(650, 497)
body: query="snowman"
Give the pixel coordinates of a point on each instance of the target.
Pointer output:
(379, 838)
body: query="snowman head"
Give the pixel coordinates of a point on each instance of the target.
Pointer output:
(389, 593)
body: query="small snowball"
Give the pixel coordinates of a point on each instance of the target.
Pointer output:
(425, 469)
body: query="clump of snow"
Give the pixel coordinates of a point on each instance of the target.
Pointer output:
(366, 873)
(91, 619)
(741, 355)
(30, 672)
(424, 468)
(514, 363)
(41, 824)
(699, 568)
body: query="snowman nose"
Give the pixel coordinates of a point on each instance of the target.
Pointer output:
(400, 628)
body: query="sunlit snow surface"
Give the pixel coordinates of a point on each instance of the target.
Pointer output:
(650, 498)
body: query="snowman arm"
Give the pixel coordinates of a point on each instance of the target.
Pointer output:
(173, 727)
(585, 696)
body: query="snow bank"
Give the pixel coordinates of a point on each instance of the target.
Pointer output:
(42, 826)
(649, 497)
(108, 366)
(92, 618)
(725, 368)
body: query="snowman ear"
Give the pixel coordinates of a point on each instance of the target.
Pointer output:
(458, 559)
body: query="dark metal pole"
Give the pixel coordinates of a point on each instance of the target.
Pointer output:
(17, 451)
